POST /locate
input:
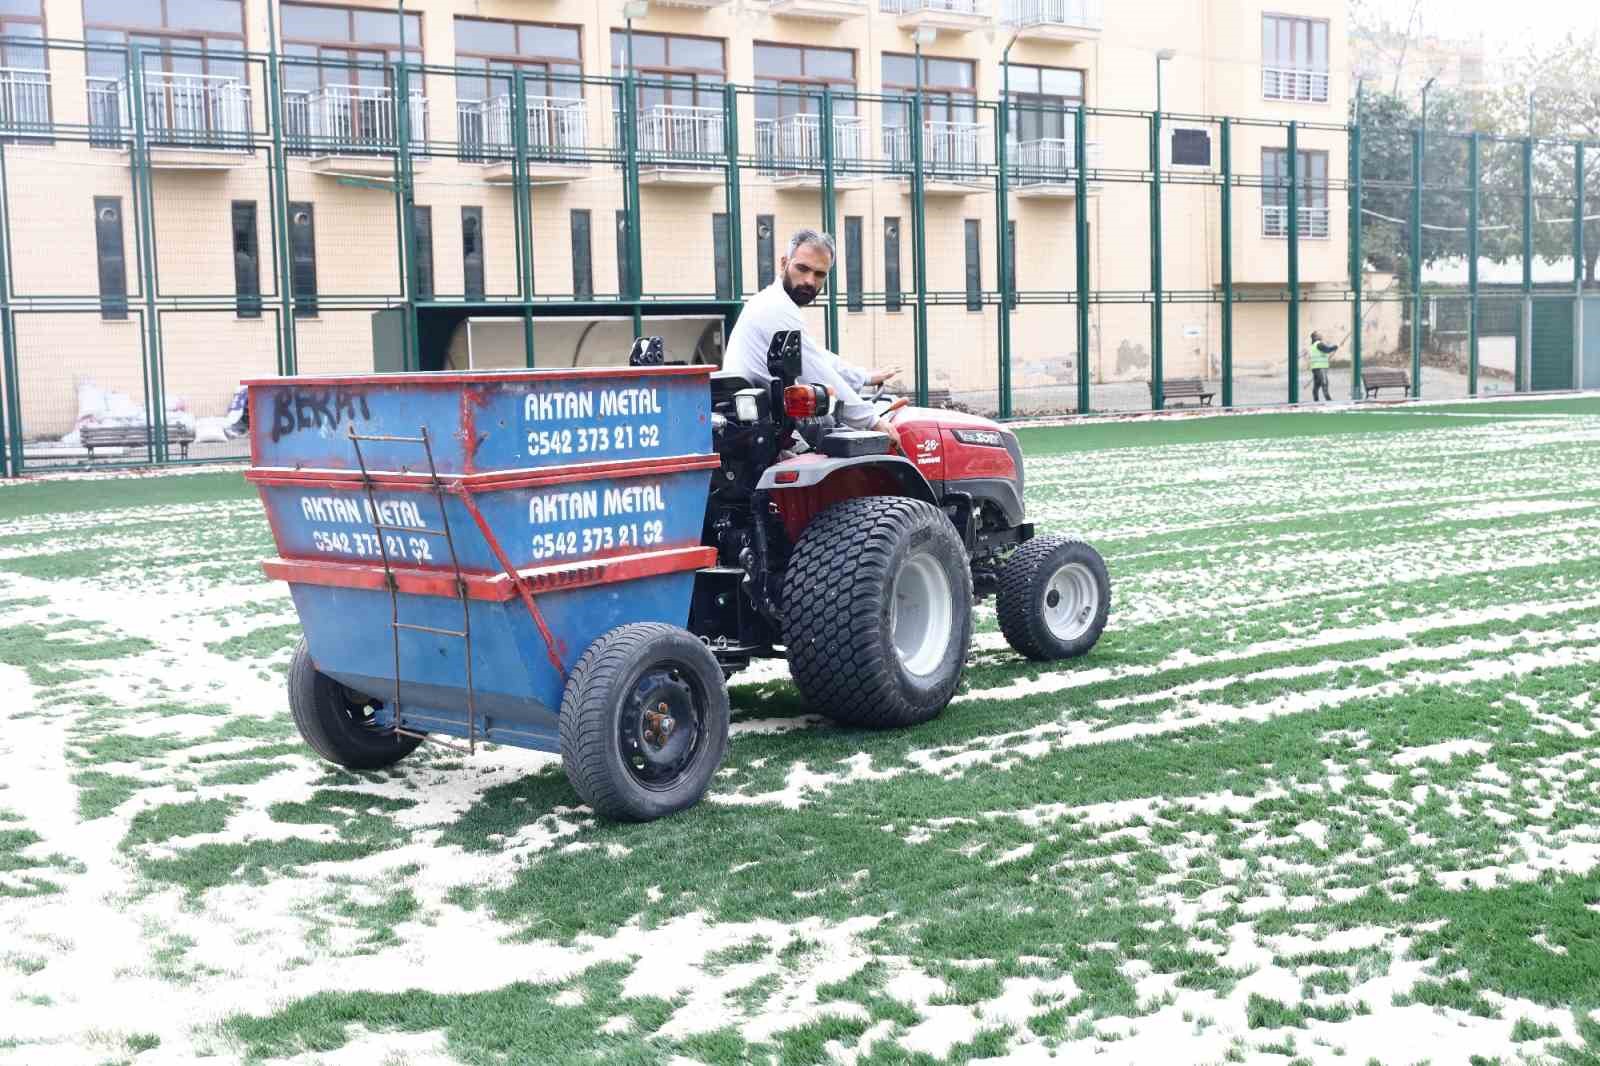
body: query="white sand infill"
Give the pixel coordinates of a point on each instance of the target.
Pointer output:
(1441, 752)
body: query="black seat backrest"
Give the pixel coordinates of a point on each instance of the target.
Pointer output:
(783, 355)
(724, 383)
(647, 351)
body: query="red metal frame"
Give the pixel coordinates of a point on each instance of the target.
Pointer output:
(467, 484)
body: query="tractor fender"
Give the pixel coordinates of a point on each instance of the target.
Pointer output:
(812, 469)
(812, 483)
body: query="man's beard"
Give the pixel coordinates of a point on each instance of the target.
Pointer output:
(800, 294)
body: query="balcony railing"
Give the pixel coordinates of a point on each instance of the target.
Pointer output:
(793, 145)
(205, 111)
(1279, 83)
(24, 102)
(673, 133)
(948, 148)
(956, 7)
(1077, 14)
(1275, 221)
(1050, 160)
(350, 120)
(558, 129)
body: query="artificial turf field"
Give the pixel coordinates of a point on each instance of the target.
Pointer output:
(1327, 791)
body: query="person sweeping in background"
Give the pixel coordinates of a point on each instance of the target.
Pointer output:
(1320, 351)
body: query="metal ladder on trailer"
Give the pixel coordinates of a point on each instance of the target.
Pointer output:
(380, 527)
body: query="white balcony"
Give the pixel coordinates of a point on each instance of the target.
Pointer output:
(191, 121)
(695, 5)
(1070, 21)
(1313, 222)
(557, 137)
(24, 102)
(680, 145)
(951, 16)
(953, 156)
(1047, 168)
(352, 129)
(818, 10)
(789, 150)
(1304, 86)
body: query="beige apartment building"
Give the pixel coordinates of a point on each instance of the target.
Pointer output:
(77, 259)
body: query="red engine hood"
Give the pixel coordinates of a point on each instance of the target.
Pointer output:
(930, 443)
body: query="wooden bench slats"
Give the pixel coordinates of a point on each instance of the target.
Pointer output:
(1385, 378)
(1184, 389)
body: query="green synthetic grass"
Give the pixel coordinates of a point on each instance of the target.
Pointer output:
(1302, 603)
(66, 495)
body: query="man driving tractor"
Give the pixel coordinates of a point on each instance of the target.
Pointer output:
(801, 275)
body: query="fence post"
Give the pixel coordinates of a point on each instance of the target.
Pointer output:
(1472, 266)
(1080, 209)
(406, 199)
(1157, 397)
(1357, 257)
(1414, 244)
(1577, 264)
(522, 212)
(630, 183)
(1007, 282)
(1227, 262)
(11, 410)
(919, 249)
(288, 362)
(1525, 356)
(139, 158)
(1294, 262)
(829, 209)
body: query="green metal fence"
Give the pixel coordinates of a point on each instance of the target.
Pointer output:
(1232, 238)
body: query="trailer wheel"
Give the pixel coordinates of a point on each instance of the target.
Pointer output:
(338, 722)
(1054, 595)
(877, 611)
(644, 722)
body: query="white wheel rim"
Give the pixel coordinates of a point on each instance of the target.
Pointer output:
(920, 614)
(1071, 601)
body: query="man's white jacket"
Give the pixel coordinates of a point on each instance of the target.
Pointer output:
(772, 310)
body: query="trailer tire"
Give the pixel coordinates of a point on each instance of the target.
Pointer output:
(336, 721)
(1055, 593)
(877, 612)
(631, 683)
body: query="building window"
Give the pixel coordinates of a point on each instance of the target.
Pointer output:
(330, 41)
(1011, 263)
(422, 230)
(693, 69)
(187, 96)
(765, 262)
(722, 260)
(113, 262)
(1043, 100)
(472, 251)
(891, 264)
(246, 260)
(624, 275)
(852, 263)
(582, 257)
(24, 71)
(974, 267)
(1311, 180)
(303, 259)
(549, 60)
(951, 133)
(791, 67)
(1294, 59)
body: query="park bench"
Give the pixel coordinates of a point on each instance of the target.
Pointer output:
(1382, 378)
(133, 436)
(1182, 389)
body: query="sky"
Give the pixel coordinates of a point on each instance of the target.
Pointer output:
(1513, 24)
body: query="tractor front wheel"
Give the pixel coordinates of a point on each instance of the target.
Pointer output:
(644, 722)
(877, 612)
(1054, 596)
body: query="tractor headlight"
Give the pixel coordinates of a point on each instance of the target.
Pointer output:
(747, 405)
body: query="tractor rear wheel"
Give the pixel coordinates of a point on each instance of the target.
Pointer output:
(644, 722)
(877, 612)
(338, 722)
(1054, 596)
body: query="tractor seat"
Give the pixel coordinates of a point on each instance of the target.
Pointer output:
(724, 383)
